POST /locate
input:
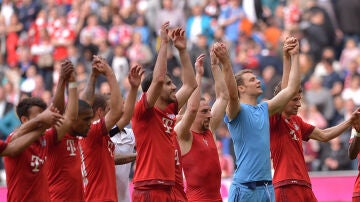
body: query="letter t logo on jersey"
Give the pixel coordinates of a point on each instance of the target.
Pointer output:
(167, 124)
(35, 163)
(70, 146)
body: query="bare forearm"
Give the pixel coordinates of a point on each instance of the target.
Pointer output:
(59, 97)
(220, 85)
(188, 70)
(294, 77)
(230, 81)
(331, 133)
(88, 94)
(18, 145)
(286, 71)
(128, 108)
(29, 126)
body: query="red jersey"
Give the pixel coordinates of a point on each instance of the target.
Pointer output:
(286, 136)
(153, 133)
(26, 174)
(356, 192)
(178, 190)
(98, 166)
(3, 146)
(64, 170)
(203, 177)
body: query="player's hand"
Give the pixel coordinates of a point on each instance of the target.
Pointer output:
(135, 75)
(178, 38)
(199, 65)
(51, 117)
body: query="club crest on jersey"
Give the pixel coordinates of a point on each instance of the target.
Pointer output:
(43, 143)
(171, 116)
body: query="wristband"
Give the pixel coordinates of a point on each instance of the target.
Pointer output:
(354, 133)
(73, 85)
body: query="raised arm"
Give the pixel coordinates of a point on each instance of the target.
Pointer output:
(59, 97)
(160, 68)
(327, 134)
(182, 128)
(71, 113)
(31, 130)
(286, 62)
(134, 77)
(233, 107)
(221, 92)
(116, 100)
(277, 103)
(88, 93)
(188, 75)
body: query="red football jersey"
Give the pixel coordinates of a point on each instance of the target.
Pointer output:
(178, 190)
(98, 166)
(153, 133)
(64, 170)
(26, 174)
(3, 146)
(286, 136)
(203, 177)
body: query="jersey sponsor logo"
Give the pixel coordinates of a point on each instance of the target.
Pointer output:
(70, 146)
(35, 163)
(167, 124)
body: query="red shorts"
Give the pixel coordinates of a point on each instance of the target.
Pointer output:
(293, 192)
(356, 199)
(179, 193)
(155, 195)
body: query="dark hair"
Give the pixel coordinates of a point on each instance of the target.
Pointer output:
(99, 102)
(277, 89)
(83, 106)
(146, 82)
(25, 104)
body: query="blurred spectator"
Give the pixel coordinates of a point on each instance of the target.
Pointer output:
(319, 96)
(311, 152)
(328, 56)
(142, 28)
(120, 33)
(230, 18)
(316, 33)
(353, 91)
(13, 31)
(349, 53)
(201, 47)
(120, 63)
(62, 37)
(334, 156)
(271, 80)
(138, 52)
(172, 13)
(198, 24)
(92, 33)
(5, 107)
(27, 11)
(42, 50)
(347, 11)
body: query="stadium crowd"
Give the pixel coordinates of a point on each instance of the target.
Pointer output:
(37, 35)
